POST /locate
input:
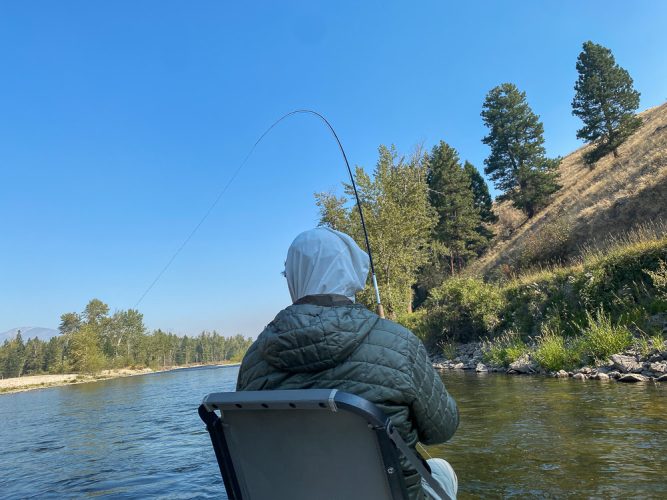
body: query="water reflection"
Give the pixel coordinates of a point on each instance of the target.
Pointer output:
(551, 438)
(519, 437)
(125, 438)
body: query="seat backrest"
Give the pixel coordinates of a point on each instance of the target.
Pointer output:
(302, 445)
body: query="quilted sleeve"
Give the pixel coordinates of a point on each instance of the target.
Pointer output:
(435, 412)
(248, 363)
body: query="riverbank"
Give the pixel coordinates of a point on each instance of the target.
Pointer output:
(630, 365)
(33, 382)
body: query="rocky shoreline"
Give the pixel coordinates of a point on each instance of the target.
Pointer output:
(628, 366)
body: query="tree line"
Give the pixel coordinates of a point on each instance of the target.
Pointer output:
(429, 213)
(94, 340)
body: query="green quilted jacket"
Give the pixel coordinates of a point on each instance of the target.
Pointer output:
(326, 341)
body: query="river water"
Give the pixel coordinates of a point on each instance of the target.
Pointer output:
(521, 437)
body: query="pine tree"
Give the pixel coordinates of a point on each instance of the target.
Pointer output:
(518, 164)
(15, 357)
(69, 322)
(484, 204)
(452, 197)
(605, 100)
(481, 196)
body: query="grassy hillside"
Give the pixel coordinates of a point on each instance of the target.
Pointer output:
(615, 197)
(563, 316)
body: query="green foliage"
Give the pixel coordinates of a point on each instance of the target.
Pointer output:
(481, 196)
(517, 163)
(463, 309)
(84, 351)
(659, 279)
(643, 344)
(452, 197)
(448, 349)
(94, 340)
(608, 294)
(399, 219)
(415, 322)
(13, 357)
(601, 338)
(69, 322)
(35, 353)
(605, 101)
(615, 281)
(95, 312)
(552, 353)
(657, 342)
(504, 350)
(484, 205)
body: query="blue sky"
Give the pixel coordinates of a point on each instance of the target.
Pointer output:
(121, 121)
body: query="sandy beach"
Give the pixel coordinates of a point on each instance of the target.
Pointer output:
(32, 382)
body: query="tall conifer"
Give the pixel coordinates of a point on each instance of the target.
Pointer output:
(481, 196)
(518, 164)
(452, 196)
(605, 101)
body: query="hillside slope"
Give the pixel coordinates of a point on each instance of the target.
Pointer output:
(617, 196)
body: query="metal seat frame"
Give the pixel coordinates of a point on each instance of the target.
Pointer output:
(317, 400)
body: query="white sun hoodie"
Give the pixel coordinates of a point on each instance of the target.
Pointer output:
(325, 261)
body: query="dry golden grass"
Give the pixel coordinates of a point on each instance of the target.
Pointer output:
(617, 196)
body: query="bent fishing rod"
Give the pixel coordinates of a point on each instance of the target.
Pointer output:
(379, 307)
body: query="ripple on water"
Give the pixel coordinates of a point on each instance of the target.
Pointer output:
(520, 437)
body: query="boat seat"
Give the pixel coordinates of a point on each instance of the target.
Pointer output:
(305, 444)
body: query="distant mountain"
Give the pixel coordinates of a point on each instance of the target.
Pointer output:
(29, 332)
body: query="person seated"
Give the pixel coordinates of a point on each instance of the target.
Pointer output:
(325, 340)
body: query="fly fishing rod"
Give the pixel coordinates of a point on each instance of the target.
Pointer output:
(379, 308)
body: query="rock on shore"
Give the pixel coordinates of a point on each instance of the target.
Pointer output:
(629, 366)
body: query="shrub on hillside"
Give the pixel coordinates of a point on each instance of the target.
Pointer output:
(463, 310)
(509, 219)
(548, 245)
(546, 300)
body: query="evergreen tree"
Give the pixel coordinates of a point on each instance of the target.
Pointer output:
(69, 322)
(54, 356)
(517, 163)
(34, 356)
(452, 197)
(605, 100)
(481, 196)
(484, 204)
(399, 219)
(14, 357)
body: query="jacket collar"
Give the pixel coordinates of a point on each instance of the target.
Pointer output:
(325, 300)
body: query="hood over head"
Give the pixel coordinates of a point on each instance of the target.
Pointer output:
(325, 261)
